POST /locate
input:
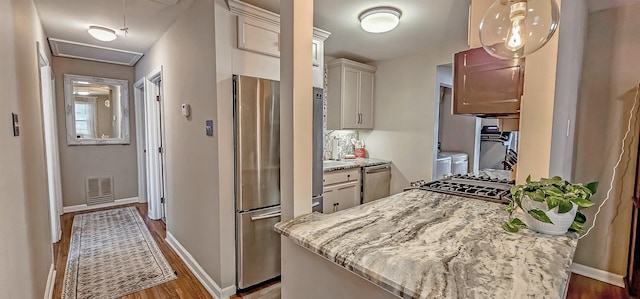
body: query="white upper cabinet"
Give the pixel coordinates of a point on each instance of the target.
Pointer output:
(258, 36)
(350, 95)
(258, 31)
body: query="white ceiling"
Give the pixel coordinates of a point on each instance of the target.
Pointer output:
(424, 23)
(147, 20)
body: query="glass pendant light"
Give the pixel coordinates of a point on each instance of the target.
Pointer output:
(516, 28)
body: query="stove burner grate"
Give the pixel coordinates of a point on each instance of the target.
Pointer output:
(485, 188)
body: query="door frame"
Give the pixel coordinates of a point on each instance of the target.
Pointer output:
(448, 83)
(52, 151)
(155, 162)
(141, 148)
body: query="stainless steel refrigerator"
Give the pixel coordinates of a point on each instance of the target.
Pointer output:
(257, 179)
(257, 175)
(316, 192)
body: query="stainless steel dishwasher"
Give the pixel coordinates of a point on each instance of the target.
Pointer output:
(376, 182)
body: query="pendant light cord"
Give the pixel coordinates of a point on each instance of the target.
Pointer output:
(124, 28)
(613, 176)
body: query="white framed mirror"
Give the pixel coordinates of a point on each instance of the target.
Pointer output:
(97, 110)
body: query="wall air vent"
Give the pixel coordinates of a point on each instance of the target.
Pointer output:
(63, 48)
(99, 190)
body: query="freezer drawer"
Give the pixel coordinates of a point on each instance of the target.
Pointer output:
(376, 182)
(258, 246)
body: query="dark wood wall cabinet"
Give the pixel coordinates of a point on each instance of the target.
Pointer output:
(486, 86)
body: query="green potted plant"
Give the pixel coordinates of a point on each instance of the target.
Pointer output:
(551, 206)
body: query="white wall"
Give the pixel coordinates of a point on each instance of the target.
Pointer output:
(537, 111)
(404, 113)
(25, 250)
(225, 34)
(609, 82)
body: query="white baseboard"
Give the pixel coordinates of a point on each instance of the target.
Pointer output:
(597, 274)
(51, 280)
(85, 207)
(202, 276)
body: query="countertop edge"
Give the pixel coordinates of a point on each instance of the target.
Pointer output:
(283, 228)
(385, 285)
(357, 164)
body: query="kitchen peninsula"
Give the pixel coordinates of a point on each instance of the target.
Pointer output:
(420, 244)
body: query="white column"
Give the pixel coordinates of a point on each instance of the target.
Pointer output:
(536, 113)
(296, 106)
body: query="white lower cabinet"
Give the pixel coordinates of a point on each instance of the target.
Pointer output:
(341, 190)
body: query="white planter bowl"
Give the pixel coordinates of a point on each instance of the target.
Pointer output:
(561, 221)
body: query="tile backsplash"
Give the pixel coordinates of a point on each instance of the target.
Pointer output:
(345, 147)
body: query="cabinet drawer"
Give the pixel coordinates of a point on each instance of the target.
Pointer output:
(341, 176)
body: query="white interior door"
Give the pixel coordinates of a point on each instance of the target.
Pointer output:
(51, 148)
(154, 147)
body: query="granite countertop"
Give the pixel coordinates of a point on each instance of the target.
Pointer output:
(421, 244)
(354, 163)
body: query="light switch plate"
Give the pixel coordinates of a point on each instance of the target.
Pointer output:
(16, 124)
(209, 127)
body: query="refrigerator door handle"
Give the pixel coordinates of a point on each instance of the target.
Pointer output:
(266, 216)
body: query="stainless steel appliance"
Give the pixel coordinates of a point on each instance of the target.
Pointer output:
(257, 175)
(375, 182)
(466, 185)
(498, 149)
(257, 179)
(316, 192)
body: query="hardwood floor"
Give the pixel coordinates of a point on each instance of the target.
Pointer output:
(581, 287)
(188, 287)
(185, 286)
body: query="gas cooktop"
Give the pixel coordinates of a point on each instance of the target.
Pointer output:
(479, 187)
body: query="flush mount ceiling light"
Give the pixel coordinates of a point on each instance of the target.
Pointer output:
(380, 19)
(102, 33)
(516, 28)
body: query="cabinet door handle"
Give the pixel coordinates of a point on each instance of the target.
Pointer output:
(359, 118)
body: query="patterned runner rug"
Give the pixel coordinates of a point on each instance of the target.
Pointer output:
(112, 254)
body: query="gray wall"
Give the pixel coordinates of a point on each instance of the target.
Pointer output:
(404, 113)
(573, 34)
(186, 53)
(610, 77)
(25, 250)
(456, 133)
(80, 162)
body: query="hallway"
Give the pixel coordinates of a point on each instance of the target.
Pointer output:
(185, 286)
